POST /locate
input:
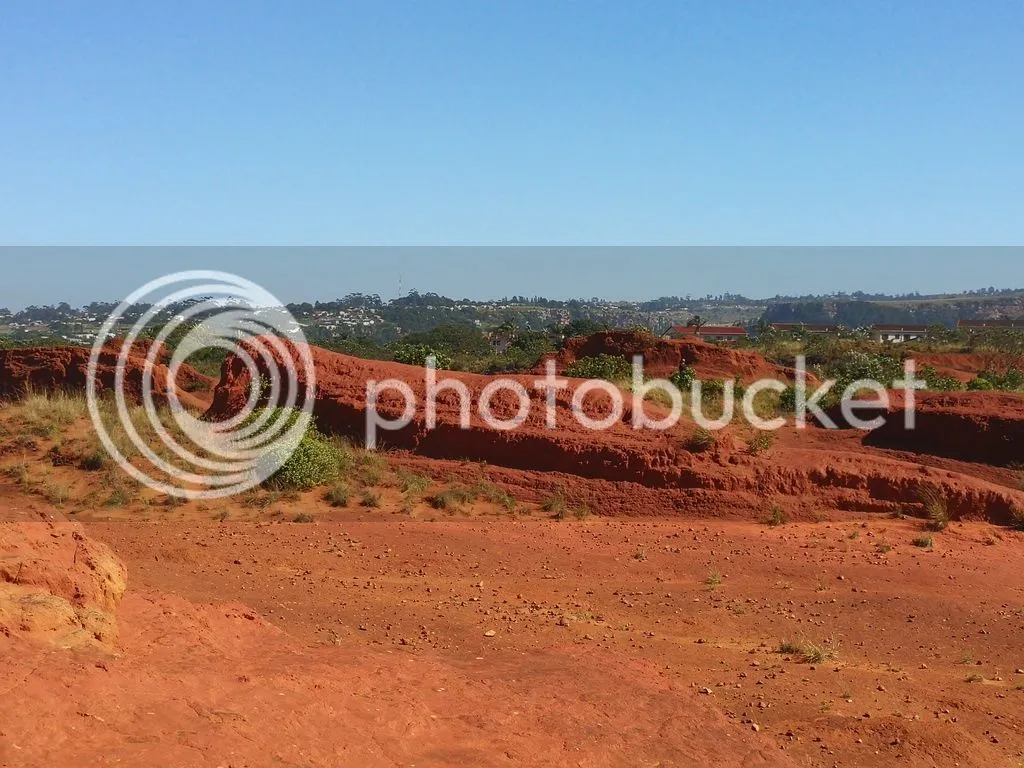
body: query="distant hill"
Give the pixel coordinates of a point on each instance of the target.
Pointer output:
(941, 310)
(369, 318)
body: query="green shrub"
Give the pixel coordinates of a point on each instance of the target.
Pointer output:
(555, 506)
(314, 462)
(1011, 381)
(701, 440)
(94, 461)
(776, 516)
(303, 517)
(883, 368)
(937, 381)
(417, 354)
(370, 500)
(787, 400)
(935, 509)
(924, 542)
(762, 442)
(609, 367)
(683, 378)
(337, 496)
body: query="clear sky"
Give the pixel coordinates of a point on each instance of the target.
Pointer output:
(528, 122)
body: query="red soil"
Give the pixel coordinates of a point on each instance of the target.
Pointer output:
(625, 471)
(216, 685)
(52, 369)
(663, 357)
(368, 643)
(965, 366)
(57, 586)
(985, 427)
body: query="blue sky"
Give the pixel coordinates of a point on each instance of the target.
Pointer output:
(521, 123)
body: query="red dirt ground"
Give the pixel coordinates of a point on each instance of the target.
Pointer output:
(615, 643)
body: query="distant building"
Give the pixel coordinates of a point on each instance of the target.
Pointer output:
(708, 332)
(982, 325)
(805, 327)
(898, 333)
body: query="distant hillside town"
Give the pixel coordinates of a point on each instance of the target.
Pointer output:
(723, 318)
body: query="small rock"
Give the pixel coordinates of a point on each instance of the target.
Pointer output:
(490, 633)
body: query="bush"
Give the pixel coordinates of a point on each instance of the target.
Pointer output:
(762, 442)
(683, 378)
(417, 354)
(337, 496)
(555, 506)
(303, 517)
(937, 381)
(935, 509)
(883, 368)
(787, 400)
(776, 517)
(314, 462)
(924, 542)
(94, 461)
(1011, 381)
(701, 440)
(609, 367)
(451, 498)
(370, 500)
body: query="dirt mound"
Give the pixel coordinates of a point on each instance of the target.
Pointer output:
(985, 427)
(663, 357)
(53, 369)
(965, 366)
(622, 470)
(57, 586)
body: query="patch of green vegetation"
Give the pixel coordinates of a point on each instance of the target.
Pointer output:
(701, 441)
(776, 516)
(94, 461)
(935, 509)
(924, 542)
(762, 442)
(555, 506)
(809, 653)
(313, 462)
(370, 499)
(608, 367)
(337, 495)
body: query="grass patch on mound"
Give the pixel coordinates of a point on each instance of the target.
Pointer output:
(809, 653)
(935, 509)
